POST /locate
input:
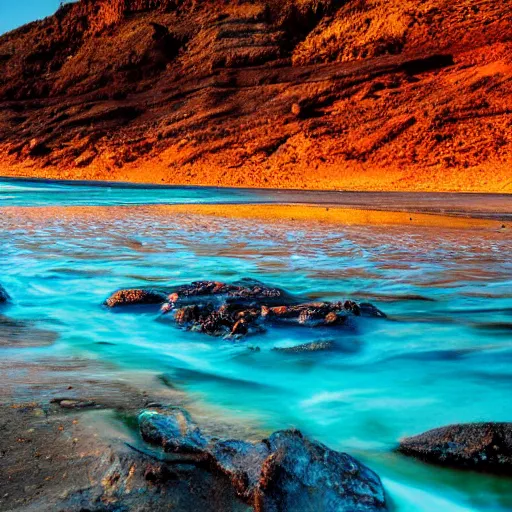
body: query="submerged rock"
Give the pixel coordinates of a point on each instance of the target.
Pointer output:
(303, 475)
(479, 446)
(284, 473)
(4, 296)
(135, 297)
(314, 346)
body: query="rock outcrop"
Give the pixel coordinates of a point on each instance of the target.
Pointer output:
(269, 93)
(241, 308)
(285, 473)
(172, 429)
(477, 446)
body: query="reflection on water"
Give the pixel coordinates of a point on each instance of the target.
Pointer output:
(443, 356)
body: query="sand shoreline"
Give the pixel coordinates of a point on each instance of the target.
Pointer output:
(335, 215)
(269, 213)
(156, 174)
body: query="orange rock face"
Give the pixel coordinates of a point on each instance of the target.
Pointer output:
(320, 94)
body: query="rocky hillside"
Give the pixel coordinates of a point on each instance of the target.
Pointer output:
(354, 94)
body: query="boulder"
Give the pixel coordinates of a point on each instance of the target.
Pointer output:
(135, 297)
(4, 296)
(241, 308)
(305, 476)
(173, 430)
(241, 462)
(477, 446)
(245, 292)
(284, 473)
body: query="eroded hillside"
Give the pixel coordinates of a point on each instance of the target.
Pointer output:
(355, 94)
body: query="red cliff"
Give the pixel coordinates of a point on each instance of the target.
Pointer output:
(356, 94)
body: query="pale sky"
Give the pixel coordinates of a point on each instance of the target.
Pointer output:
(14, 13)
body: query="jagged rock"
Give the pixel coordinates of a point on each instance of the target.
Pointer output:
(244, 292)
(321, 313)
(135, 297)
(479, 446)
(285, 473)
(4, 296)
(241, 462)
(314, 346)
(173, 429)
(306, 476)
(240, 308)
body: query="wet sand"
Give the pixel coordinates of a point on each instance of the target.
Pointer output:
(69, 442)
(269, 213)
(333, 215)
(474, 205)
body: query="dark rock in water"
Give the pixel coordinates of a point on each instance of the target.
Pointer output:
(370, 310)
(244, 293)
(228, 319)
(234, 318)
(173, 429)
(478, 446)
(135, 297)
(306, 476)
(320, 313)
(241, 462)
(4, 296)
(190, 315)
(240, 308)
(285, 473)
(314, 346)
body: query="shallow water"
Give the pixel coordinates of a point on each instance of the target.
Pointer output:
(17, 192)
(443, 356)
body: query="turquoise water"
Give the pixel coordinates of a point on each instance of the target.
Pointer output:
(443, 356)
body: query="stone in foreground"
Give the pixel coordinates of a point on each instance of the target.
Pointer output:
(306, 476)
(284, 473)
(477, 446)
(241, 462)
(173, 429)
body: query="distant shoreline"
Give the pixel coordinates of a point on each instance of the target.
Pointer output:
(270, 213)
(160, 186)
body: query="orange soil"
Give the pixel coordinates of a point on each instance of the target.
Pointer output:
(317, 94)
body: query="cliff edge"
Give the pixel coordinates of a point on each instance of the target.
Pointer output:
(319, 94)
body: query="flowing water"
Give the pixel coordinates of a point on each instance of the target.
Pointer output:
(444, 355)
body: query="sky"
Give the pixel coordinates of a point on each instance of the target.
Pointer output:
(14, 13)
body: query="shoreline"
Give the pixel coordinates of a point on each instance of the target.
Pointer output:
(335, 215)
(152, 176)
(323, 214)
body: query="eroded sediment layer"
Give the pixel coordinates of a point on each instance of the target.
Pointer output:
(277, 93)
